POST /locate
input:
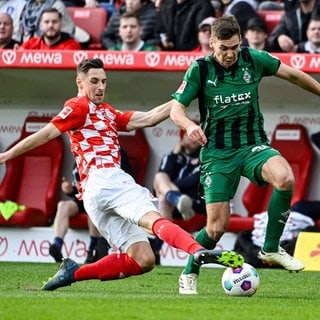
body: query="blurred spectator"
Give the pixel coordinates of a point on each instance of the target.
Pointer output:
(14, 8)
(204, 35)
(157, 4)
(243, 10)
(108, 5)
(52, 37)
(179, 23)
(6, 32)
(271, 4)
(66, 210)
(176, 183)
(292, 28)
(308, 208)
(147, 15)
(31, 17)
(312, 45)
(256, 34)
(130, 33)
(74, 3)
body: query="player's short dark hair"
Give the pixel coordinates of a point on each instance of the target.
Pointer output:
(51, 10)
(225, 27)
(85, 65)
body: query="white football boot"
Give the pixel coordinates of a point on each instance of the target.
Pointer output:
(281, 258)
(188, 283)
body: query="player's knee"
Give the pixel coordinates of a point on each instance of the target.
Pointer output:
(286, 183)
(146, 261)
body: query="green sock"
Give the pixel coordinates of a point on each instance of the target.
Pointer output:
(278, 213)
(208, 243)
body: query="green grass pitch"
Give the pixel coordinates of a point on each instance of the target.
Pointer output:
(281, 296)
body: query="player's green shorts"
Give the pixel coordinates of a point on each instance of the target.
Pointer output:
(222, 169)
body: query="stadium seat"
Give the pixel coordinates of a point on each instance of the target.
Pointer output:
(293, 142)
(196, 223)
(33, 180)
(271, 18)
(136, 146)
(91, 20)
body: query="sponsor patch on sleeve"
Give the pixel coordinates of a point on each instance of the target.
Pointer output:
(182, 86)
(65, 112)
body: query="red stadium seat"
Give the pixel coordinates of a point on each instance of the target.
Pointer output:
(136, 146)
(293, 142)
(271, 18)
(91, 20)
(196, 223)
(33, 180)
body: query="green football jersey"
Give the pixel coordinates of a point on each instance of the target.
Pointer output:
(233, 116)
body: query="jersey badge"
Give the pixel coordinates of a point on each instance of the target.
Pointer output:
(208, 180)
(182, 87)
(65, 112)
(246, 76)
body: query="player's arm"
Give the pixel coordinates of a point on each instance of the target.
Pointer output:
(299, 78)
(140, 119)
(38, 138)
(178, 115)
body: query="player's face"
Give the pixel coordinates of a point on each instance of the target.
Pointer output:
(51, 25)
(93, 85)
(226, 52)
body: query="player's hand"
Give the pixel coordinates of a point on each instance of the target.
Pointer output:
(196, 134)
(3, 158)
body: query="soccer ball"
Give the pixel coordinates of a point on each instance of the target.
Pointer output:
(240, 282)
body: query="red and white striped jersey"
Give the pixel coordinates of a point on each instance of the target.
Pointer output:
(93, 132)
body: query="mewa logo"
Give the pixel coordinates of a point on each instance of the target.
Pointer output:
(41, 57)
(9, 57)
(300, 61)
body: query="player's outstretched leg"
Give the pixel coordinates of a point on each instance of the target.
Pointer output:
(64, 276)
(223, 257)
(281, 258)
